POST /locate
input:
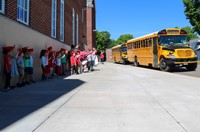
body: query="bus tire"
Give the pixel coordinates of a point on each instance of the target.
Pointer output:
(191, 67)
(136, 61)
(164, 66)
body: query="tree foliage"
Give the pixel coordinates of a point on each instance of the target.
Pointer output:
(103, 40)
(192, 11)
(124, 38)
(190, 33)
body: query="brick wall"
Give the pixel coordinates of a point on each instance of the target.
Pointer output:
(11, 9)
(108, 55)
(40, 17)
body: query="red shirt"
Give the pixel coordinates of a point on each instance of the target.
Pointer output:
(51, 62)
(73, 61)
(78, 59)
(7, 62)
(101, 56)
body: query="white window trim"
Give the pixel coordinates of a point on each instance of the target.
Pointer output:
(62, 22)
(77, 29)
(73, 26)
(3, 7)
(28, 8)
(53, 11)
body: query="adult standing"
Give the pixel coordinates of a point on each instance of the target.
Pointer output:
(102, 57)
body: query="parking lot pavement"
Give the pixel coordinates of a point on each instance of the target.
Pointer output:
(195, 73)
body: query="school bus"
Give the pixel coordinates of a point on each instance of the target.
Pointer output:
(119, 54)
(164, 49)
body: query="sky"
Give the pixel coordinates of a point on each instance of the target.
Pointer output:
(139, 17)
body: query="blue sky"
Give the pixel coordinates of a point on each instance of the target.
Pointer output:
(138, 17)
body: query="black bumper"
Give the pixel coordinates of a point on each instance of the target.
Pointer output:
(183, 61)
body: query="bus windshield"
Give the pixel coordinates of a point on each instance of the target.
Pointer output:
(123, 49)
(173, 40)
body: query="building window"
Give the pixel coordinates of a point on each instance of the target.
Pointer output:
(77, 29)
(62, 20)
(73, 26)
(53, 18)
(2, 6)
(23, 11)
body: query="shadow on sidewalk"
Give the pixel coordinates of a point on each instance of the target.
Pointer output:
(21, 102)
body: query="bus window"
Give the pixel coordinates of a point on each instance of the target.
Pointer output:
(150, 42)
(146, 43)
(123, 49)
(129, 46)
(165, 40)
(142, 43)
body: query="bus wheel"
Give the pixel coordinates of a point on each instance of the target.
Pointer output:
(136, 61)
(164, 66)
(191, 67)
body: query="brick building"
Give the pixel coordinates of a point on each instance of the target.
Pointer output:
(42, 23)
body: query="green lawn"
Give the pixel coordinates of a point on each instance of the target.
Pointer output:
(199, 62)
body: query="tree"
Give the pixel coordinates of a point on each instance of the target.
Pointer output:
(103, 40)
(113, 43)
(190, 33)
(192, 11)
(124, 38)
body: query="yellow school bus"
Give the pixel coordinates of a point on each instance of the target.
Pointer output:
(164, 49)
(119, 54)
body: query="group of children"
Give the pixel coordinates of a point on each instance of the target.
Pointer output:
(58, 63)
(53, 63)
(19, 65)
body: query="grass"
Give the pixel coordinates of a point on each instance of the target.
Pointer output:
(199, 62)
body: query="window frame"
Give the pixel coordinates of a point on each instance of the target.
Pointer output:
(53, 20)
(62, 21)
(22, 8)
(77, 29)
(73, 26)
(3, 7)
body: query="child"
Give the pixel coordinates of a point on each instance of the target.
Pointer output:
(7, 63)
(73, 62)
(30, 51)
(51, 63)
(78, 62)
(58, 64)
(44, 60)
(27, 67)
(63, 60)
(20, 64)
(102, 57)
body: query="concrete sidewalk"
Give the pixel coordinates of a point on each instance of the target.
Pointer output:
(114, 98)
(24, 109)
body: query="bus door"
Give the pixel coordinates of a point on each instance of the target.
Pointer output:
(121, 59)
(155, 52)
